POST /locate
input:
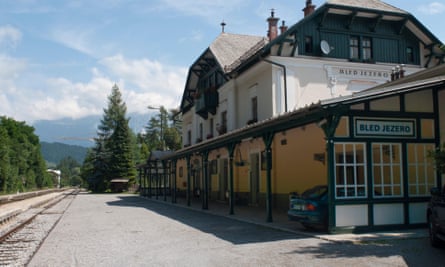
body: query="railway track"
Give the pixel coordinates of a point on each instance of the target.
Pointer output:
(22, 235)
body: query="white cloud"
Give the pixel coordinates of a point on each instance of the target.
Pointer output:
(433, 8)
(77, 39)
(55, 98)
(151, 82)
(10, 36)
(10, 68)
(142, 82)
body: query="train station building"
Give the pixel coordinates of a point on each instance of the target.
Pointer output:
(351, 96)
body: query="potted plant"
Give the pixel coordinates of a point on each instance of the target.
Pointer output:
(438, 156)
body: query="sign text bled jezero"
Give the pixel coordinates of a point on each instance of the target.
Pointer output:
(403, 128)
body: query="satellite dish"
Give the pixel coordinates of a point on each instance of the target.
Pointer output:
(325, 47)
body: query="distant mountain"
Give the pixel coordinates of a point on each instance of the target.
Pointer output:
(80, 132)
(55, 152)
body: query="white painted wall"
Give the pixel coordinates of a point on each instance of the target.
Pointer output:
(351, 215)
(309, 80)
(385, 214)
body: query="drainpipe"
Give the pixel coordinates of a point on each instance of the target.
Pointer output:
(285, 79)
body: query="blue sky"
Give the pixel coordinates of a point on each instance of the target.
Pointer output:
(60, 58)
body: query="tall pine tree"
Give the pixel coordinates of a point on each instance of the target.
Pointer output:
(113, 155)
(163, 132)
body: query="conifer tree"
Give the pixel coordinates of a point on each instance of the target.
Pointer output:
(113, 155)
(163, 132)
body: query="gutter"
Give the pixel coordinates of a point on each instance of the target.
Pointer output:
(285, 79)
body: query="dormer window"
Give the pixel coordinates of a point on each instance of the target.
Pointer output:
(366, 48)
(360, 48)
(354, 48)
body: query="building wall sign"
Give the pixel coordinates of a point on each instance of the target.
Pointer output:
(384, 128)
(348, 73)
(362, 73)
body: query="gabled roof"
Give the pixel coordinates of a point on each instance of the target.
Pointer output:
(226, 52)
(367, 4)
(230, 49)
(371, 9)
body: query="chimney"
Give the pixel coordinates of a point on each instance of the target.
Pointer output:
(273, 30)
(309, 9)
(283, 27)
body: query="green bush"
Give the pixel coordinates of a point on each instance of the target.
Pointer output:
(439, 158)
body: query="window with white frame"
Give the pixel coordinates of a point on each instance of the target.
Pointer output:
(366, 48)
(350, 170)
(421, 172)
(354, 47)
(387, 169)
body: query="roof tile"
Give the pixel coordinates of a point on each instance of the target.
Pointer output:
(368, 4)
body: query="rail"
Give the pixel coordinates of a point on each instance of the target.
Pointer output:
(22, 233)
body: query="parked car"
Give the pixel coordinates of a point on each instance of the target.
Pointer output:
(436, 216)
(310, 208)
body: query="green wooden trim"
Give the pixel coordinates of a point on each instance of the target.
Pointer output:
(405, 183)
(437, 127)
(346, 32)
(323, 17)
(150, 182)
(174, 180)
(157, 181)
(231, 149)
(373, 200)
(268, 140)
(189, 170)
(376, 23)
(329, 130)
(369, 183)
(294, 45)
(205, 166)
(403, 26)
(331, 184)
(164, 178)
(351, 20)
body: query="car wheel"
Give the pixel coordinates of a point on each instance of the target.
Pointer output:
(434, 240)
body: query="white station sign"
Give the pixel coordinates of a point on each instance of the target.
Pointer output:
(385, 128)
